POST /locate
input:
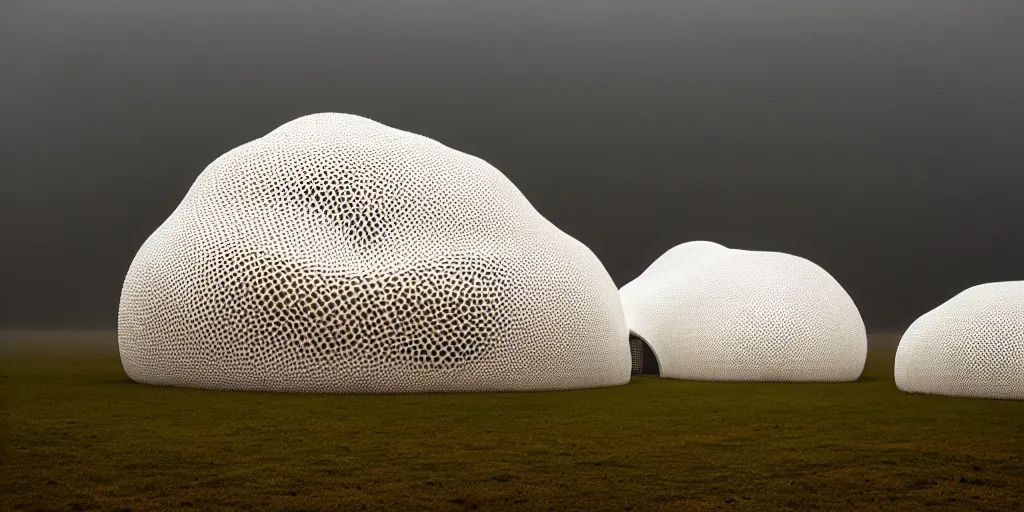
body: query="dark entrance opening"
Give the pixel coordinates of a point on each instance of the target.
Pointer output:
(644, 360)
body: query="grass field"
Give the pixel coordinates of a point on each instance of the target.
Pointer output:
(79, 435)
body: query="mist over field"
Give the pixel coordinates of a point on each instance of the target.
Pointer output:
(879, 139)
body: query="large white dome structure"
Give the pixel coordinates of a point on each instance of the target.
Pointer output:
(970, 346)
(339, 255)
(708, 312)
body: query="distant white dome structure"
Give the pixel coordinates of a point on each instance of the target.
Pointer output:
(708, 312)
(340, 255)
(970, 346)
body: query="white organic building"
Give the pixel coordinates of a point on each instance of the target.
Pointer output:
(971, 346)
(340, 255)
(712, 313)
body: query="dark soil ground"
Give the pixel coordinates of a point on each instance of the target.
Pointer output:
(78, 435)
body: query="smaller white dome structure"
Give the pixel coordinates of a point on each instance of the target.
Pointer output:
(970, 346)
(713, 313)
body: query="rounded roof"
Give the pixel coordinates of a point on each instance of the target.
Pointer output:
(337, 254)
(714, 313)
(972, 345)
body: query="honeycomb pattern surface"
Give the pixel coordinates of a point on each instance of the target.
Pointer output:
(714, 313)
(637, 353)
(340, 255)
(970, 346)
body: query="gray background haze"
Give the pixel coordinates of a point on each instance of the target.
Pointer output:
(880, 139)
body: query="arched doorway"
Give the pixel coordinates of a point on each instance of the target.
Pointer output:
(644, 360)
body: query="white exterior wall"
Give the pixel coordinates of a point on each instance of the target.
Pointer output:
(340, 255)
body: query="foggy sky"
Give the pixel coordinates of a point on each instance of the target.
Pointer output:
(880, 139)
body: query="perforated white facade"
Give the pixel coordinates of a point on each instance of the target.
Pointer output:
(970, 346)
(339, 255)
(713, 313)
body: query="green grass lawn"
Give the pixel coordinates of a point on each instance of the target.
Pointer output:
(78, 435)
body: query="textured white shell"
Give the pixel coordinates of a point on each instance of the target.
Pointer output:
(340, 255)
(713, 313)
(971, 346)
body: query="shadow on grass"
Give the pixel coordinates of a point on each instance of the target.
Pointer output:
(78, 433)
(119, 381)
